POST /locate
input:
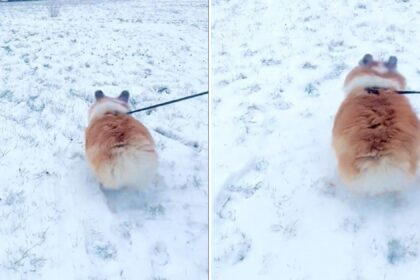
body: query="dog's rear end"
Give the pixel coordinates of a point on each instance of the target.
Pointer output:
(376, 136)
(119, 149)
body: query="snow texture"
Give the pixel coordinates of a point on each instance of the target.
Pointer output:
(279, 208)
(56, 221)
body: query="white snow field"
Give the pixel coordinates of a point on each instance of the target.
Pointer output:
(280, 211)
(55, 220)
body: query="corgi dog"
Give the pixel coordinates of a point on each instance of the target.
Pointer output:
(376, 136)
(119, 149)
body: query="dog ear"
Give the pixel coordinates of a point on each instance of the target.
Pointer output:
(391, 64)
(367, 58)
(124, 96)
(99, 94)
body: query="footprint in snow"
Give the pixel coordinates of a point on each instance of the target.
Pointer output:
(147, 201)
(162, 89)
(397, 252)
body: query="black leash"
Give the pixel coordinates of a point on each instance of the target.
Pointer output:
(166, 103)
(376, 90)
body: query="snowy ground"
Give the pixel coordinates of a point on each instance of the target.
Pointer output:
(280, 211)
(56, 222)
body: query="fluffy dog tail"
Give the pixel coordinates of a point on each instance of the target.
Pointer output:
(379, 175)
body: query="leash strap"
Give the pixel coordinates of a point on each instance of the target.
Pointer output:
(408, 92)
(375, 90)
(168, 102)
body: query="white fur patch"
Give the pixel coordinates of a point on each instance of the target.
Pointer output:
(381, 69)
(371, 81)
(133, 168)
(102, 108)
(380, 179)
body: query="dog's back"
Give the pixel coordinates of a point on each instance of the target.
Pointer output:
(120, 150)
(376, 136)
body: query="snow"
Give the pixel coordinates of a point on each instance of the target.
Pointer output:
(279, 208)
(56, 221)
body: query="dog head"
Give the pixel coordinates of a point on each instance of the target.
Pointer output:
(105, 104)
(373, 73)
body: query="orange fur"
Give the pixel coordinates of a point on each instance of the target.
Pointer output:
(118, 147)
(375, 130)
(115, 132)
(370, 71)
